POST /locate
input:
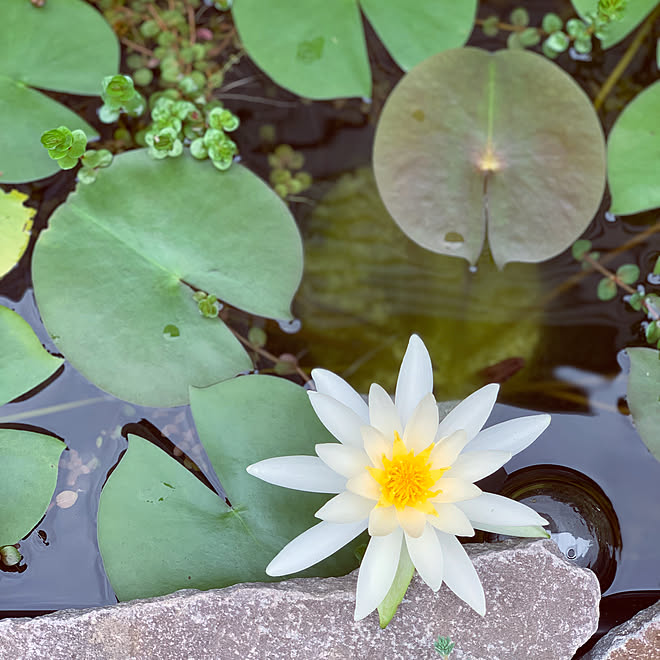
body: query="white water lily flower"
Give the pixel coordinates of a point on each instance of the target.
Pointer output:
(406, 477)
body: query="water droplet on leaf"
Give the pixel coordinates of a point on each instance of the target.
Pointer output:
(171, 331)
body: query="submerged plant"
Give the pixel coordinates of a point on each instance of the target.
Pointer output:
(407, 478)
(283, 161)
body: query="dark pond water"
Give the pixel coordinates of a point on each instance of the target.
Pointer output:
(560, 343)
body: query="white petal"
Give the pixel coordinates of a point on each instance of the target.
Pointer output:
(478, 464)
(377, 572)
(498, 510)
(460, 575)
(426, 554)
(346, 507)
(412, 521)
(364, 484)
(422, 425)
(452, 520)
(454, 490)
(415, 379)
(328, 383)
(383, 414)
(341, 421)
(471, 413)
(382, 521)
(343, 459)
(513, 435)
(308, 473)
(448, 449)
(313, 545)
(376, 446)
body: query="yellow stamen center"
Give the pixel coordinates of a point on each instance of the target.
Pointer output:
(407, 479)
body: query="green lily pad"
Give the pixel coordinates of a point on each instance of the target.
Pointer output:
(114, 273)
(24, 362)
(160, 529)
(472, 143)
(15, 227)
(366, 286)
(64, 46)
(634, 13)
(644, 395)
(28, 475)
(413, 31)
(633, 154)
(318, 49)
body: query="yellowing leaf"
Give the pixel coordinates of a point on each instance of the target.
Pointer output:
(15, 227)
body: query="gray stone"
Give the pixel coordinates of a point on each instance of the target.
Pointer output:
(539, 606)
(637, 638)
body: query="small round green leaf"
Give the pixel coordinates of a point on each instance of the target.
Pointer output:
(576, 28)
(580, 248)
(643, 396)
(470, 143)
(550, 53)
(115, 269)
(606, 289)
(37, 50)
(653, 332)
(24, 362)
(633, 154)
(490, 26)
(28, 475)
(530, 37)
(628, 273)
(552, 22)
(519, 16)
(513, 41)
(583, 45)
(557, 41)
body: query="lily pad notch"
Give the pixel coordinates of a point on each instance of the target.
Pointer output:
(472, 143)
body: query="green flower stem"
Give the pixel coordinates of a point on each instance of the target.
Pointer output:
(625, 60)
